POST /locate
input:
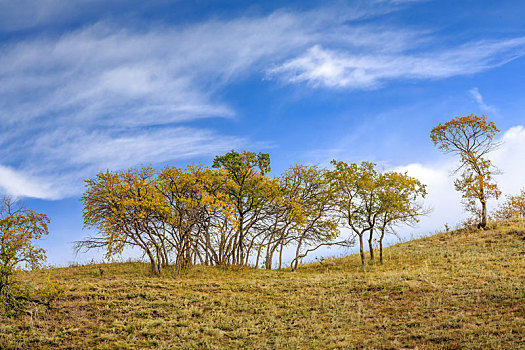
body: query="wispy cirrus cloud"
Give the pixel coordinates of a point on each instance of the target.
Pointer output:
(476, 95)
(368, 68)
(25, 14)
(105, 97)
(112, 96)
(59, 161)
(20, 184)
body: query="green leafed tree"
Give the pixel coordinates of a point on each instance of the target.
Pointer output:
(250, 192)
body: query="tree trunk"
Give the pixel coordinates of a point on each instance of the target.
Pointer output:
(381, 251)
(208, 245)
(156, 264)
(155, 268)
(268, 261)
(361, 249)
(195, 255)
(164, 255)
(483, 201)
(240, 253)
(381, 244)
(281, 257)
(370, 244)
(269, 256)
(483, 223)
(258, 256)
(296, 260)
(158, 260)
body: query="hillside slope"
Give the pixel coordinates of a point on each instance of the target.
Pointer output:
(451, 290)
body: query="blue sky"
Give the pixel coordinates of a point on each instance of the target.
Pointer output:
(93, 85)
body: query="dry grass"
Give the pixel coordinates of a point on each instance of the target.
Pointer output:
(462, 289)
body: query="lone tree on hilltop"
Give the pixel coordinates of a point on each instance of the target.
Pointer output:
(471, 138)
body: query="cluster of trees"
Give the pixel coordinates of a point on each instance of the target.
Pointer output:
(368, 201)
(235, 213)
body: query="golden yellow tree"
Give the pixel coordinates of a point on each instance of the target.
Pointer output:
(191, 196)
(472, 139)
(306, 190)
(400, 198)
(126, 209)
(172, 215)
(19, 229)
(355, 189)
(513, 207)
(367, 199)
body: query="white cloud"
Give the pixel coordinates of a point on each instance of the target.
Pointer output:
(510, 159)
(103, 97)
(364, 69)
(18, 184)
(441, 198)
(111, 97)
(66, 157)
(476, 95)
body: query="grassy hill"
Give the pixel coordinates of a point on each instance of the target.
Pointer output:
(460, 289)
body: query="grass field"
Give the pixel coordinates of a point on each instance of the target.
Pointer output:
(452, 290)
